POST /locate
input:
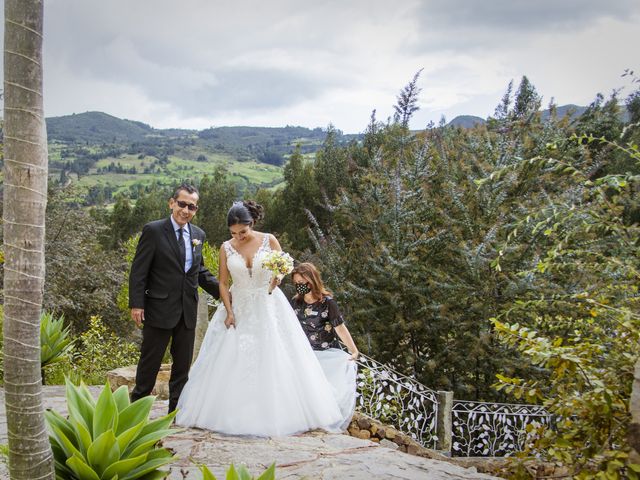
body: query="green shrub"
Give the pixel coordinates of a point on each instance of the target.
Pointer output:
(123, 295)
(108, 439)
(95, 352)
(101, 350)
(55, 341)
(240, 474)
(579, 326)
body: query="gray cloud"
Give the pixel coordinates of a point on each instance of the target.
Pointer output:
(300, 62)
(522, 15)
(474, 26)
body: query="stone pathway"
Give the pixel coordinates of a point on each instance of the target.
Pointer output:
(313, 455)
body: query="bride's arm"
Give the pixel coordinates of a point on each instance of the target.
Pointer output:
(273, 243)
(224, 287)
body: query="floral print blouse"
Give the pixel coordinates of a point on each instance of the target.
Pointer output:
(318, 321)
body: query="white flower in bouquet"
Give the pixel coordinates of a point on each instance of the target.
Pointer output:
(278, 263)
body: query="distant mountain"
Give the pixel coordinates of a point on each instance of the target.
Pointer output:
(466, 121)
(264, 144)
(573, 111)
(97, 127)
(470, 121)
(271, 136)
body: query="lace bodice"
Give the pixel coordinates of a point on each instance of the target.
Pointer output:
(254, 277)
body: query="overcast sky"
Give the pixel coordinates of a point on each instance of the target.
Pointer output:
(202, 63)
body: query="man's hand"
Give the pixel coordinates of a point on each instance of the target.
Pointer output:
(137, 314)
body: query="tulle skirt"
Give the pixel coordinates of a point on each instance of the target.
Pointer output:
(261, 378)
(341, 372)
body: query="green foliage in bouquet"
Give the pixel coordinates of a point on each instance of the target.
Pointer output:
(108, 439)
(241, 473)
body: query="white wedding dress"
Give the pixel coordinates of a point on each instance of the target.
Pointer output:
(262, 377)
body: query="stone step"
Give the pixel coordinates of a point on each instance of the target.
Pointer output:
(312, 455)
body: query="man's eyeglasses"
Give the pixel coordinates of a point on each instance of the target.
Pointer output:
(191, 206)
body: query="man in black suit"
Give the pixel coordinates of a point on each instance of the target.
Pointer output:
(163, 293)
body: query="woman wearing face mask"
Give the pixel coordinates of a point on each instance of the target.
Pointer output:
(255, 373)
(322, 322)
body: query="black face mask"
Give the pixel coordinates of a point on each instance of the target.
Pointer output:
(302, 288)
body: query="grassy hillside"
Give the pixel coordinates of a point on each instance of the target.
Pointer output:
(97, 127)
(95, 149)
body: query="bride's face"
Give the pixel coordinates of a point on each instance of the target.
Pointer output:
(241, 232)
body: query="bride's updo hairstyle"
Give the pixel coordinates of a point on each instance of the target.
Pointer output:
(245, 213)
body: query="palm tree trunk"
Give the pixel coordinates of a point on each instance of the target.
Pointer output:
(25, 199)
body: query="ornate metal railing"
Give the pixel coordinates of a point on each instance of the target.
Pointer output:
(493, 429)
(397, 400)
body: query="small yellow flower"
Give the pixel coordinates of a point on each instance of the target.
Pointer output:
(327, 327)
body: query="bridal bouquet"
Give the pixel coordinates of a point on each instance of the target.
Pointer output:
(278, 263)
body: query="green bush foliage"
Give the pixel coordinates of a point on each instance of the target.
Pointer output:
(108, 438)
(101, 350)
(82, 276)
(56, 344)
(55, 339)
(580, 324)
(96, 351)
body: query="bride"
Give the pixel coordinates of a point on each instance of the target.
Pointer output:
(256, 373)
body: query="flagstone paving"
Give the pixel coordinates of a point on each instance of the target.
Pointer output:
(313, 455)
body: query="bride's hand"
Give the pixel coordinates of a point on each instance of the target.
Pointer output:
(354, 355)
(230, 321)
(275, 281)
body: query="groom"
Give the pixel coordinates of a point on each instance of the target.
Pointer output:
(163, 293)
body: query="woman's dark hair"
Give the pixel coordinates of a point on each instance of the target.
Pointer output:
(245, 213)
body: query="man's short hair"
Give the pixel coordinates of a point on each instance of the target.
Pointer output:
(185, 187)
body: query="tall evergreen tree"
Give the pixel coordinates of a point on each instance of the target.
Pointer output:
(217, 194)
(301, 192)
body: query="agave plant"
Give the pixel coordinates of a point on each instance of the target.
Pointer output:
(55, 341)
(108, 439)
(240, 474)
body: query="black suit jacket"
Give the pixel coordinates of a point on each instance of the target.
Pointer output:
(158, 282)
